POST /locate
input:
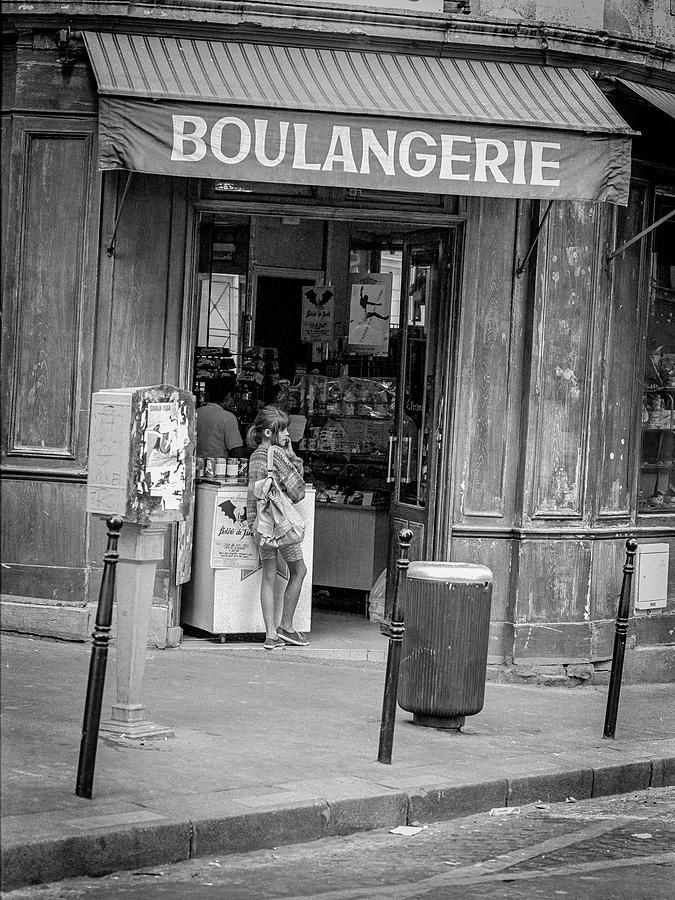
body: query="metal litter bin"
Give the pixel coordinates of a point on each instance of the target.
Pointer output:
(445, 642)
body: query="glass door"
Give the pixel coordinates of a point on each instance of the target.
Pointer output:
(415, 448)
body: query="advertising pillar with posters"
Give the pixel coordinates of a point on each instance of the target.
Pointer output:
(141, 467)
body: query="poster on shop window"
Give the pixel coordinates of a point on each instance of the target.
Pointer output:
(232, 543)
(370, 313)
(318, 313)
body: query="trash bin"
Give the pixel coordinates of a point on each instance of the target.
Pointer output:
(445, 642)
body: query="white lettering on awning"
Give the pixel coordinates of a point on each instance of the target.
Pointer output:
(483, 163)
(231, 139)
(300, 153)
(372, 145)
(217, 140)
(193, 137)
(427, 159)
(261, 139)
(341, 135)
(448, 156)
(538, 163)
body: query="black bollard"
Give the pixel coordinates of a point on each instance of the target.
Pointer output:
(98, 662)
(620, 641)
(396, 629)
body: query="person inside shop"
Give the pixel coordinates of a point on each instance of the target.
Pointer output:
(270, 429)
(218, 432)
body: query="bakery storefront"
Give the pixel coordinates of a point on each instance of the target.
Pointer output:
(403, 251)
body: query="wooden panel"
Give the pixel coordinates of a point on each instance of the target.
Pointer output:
(486, 389)
(290, 246)
(8, 75)
(43, 523)
(564, 303)
(139, 328)
(43, 84)
(495, 553)
(537, 644)
(608, 560)
(554, 581)
(620, 354)
(61, 584)
(53, 177)
(141, 285)
(5, 144)
(337, 272)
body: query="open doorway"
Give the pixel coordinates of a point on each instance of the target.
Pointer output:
(365, 395)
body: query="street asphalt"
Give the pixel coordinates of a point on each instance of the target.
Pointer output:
(272, 748)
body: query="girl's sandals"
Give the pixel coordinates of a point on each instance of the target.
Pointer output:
(273, 644)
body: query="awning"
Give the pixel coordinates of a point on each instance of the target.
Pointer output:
(356, 119)
(663, 100)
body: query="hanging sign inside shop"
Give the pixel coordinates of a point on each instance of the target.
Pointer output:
(318, 313)
(232, 544)
(371, 152)
(369, 313)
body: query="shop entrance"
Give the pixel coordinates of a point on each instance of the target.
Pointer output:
(347, 326)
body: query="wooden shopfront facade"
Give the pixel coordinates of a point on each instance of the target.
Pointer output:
(512, 179)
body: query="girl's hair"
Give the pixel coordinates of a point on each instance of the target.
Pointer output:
(269, 417)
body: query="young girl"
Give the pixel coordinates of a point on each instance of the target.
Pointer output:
(271, 429)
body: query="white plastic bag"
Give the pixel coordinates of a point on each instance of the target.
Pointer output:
(376, 598)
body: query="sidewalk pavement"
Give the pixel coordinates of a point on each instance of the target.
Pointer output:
(272, 748)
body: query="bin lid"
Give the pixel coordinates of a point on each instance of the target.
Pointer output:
(450, 572)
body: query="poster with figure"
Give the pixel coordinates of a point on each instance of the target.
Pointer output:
(232, 544)
(318, 314)
(370, 313)
(165, 437)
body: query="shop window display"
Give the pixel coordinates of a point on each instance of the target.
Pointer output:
(657, 468)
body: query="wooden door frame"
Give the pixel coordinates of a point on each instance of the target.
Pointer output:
(453, 225)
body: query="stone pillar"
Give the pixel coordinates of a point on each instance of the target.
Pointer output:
(140, 548)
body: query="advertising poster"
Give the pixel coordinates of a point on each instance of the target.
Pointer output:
(165, 440)
(369, 313)
(318, 314)
(232, 543)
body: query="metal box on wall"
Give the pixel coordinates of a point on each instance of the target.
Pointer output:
(141, 454)
(651, 576)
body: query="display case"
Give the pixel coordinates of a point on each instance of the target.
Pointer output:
(346, 447)
(657, 460)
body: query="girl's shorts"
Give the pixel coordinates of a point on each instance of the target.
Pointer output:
(291, 553)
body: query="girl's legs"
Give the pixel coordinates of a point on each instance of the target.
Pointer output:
(269, 577)
(297, 571)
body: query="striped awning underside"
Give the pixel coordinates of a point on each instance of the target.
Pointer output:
(663, 100)
(350, 82)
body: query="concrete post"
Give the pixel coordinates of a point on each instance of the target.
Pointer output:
(140, 548)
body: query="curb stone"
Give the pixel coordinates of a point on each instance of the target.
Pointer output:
(276, 819)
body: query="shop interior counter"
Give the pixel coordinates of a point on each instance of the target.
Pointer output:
(350, 548)
(223, 596)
